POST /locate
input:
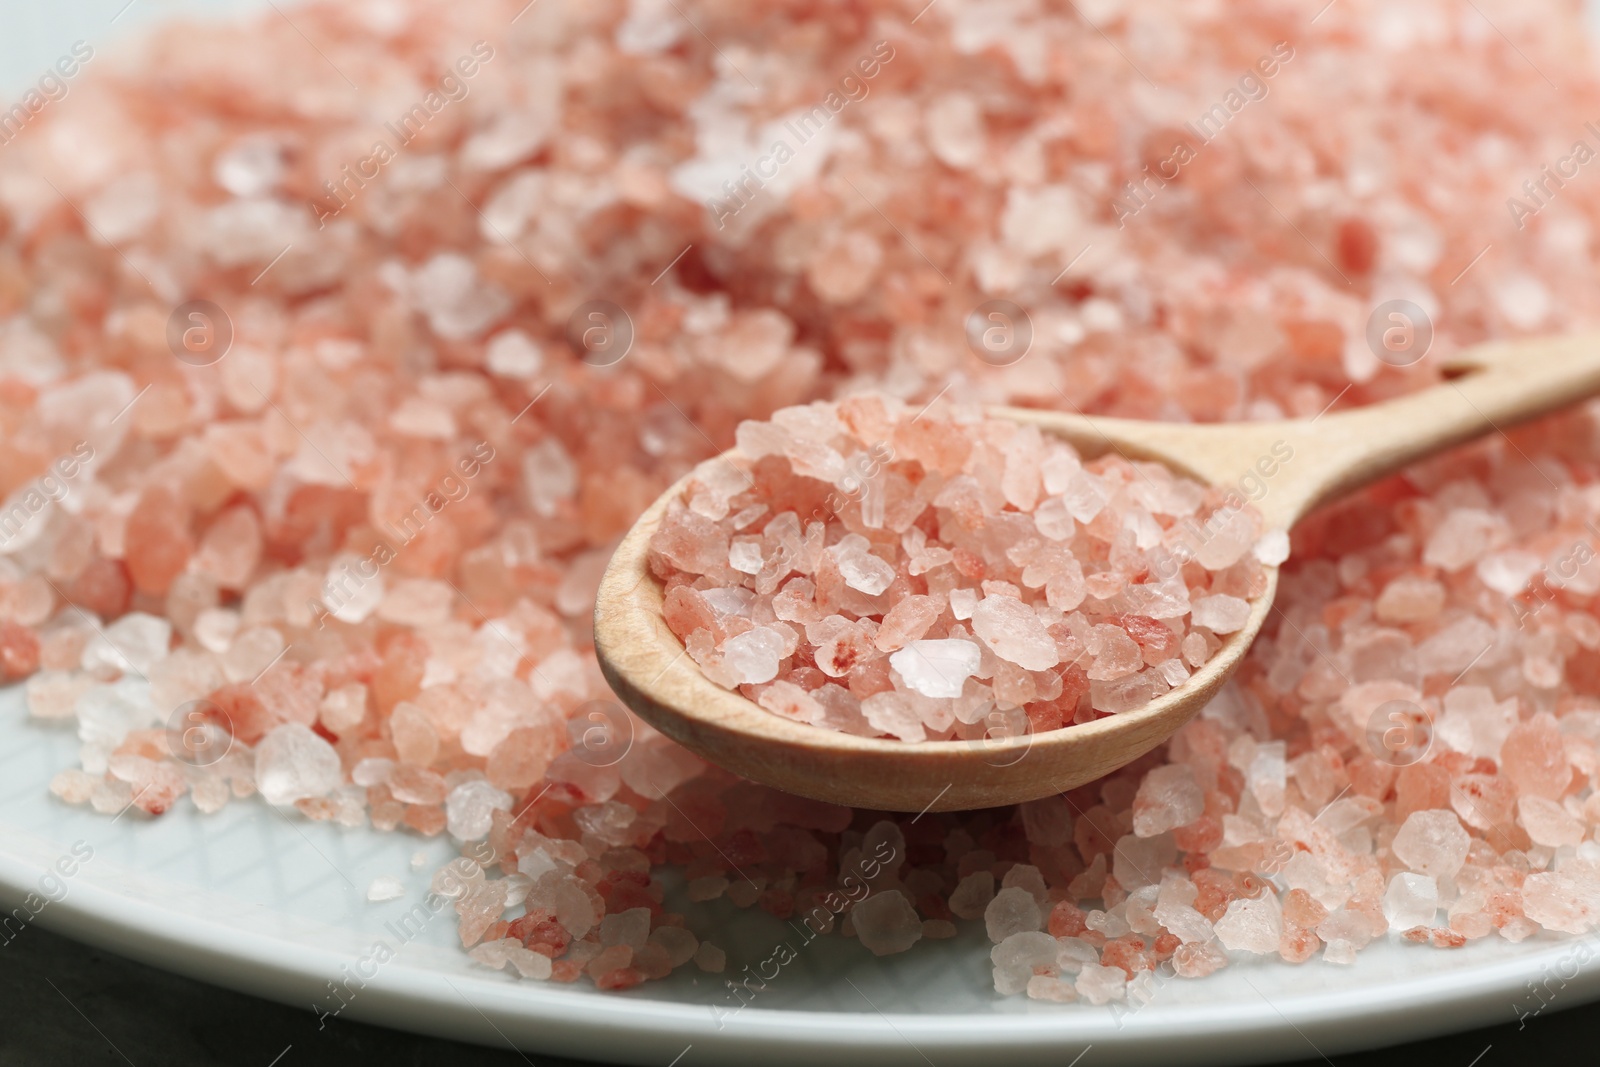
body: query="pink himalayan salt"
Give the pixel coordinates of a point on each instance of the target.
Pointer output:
(1158, 319)
(902, 561)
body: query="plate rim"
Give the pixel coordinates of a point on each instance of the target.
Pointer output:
(640, 1030)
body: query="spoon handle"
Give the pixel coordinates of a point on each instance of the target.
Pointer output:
(1286, 468)
(1488, 388)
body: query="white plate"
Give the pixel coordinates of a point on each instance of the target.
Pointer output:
(272, 905)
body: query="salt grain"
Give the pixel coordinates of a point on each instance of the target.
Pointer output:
(384, 888)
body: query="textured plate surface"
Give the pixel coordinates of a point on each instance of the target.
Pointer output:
(272, 905)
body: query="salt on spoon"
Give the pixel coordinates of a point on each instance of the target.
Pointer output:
(1488, 388)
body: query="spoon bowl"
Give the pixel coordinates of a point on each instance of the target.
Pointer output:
(1487, 389)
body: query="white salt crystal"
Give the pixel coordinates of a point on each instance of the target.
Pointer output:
(1085, 495)
(1411, 900)
(1173, 672)
(744, 555)
(1012, 911)
(1183, 921)
(962, 603)
(351, 595)
(972, 895)
(1267, 775)
(886, 923)
(1168, 798)
(1221, 614)
(1053, 520)
(214, 628)
(1231, 533)
(385, 888)
(891, 713)
(458, 302)
(1272, 547)
(1252, 925)
(293, 763)
(549, 475)
(729, 600)
(469, 809)
(1432, 843)
(250, 167)
(937, 668)
(1101, 985)
(1139, 861)
(106, 713)
(1016, 958)
(1509, 572)
(754, 656)
(1075, 954)
(132, 643)
(1461, 538)
(860, 569)
(252, 652)
(1014, 632)
(1058, 468)
(374, 770)
(513, 354)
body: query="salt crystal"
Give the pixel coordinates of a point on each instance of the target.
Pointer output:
(513, 354)
(1085, 495)
(1013, 631)
(1567, 901)
(384, 888)
(1432, 843)
(629, 928)
(1221, 614)
(861, 569)
(1464, 536)
(1411, 900)
(54, 694)
(1410, 598)
(753, 656)
(293, 763)
(251, 166)
(710, 958)
(1252, 925)
(744, 555)
(1272, 548)
(1548, 823)
(132, 643)
(1043, 987)
(1020, 957)
(972, 895)
(1102, 985)
(470, 808)
(886, 923)
(1012, 911)
(73, 786)
(1168, 798)
(937, 668)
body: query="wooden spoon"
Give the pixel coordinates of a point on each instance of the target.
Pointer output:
(1491, 387)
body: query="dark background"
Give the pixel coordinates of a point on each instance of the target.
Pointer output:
(66, 1003)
